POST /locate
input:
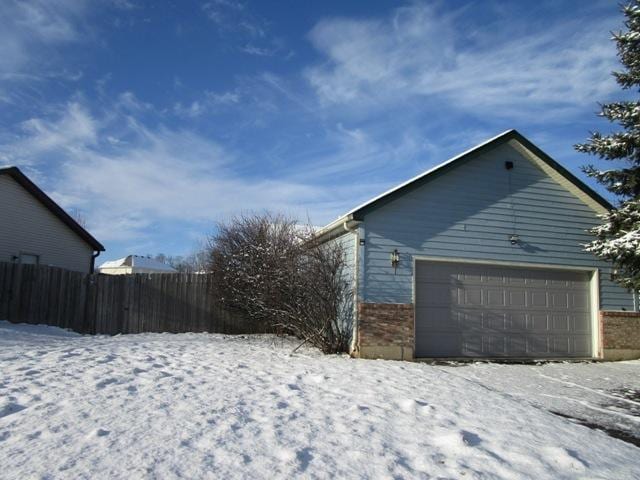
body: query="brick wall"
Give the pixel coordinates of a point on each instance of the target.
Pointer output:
(620, 335)
(385, 330)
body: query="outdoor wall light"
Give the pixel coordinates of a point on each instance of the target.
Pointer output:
(514, 239)
(395, 258)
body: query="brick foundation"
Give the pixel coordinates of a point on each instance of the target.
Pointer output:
(386, 330)
(620, 335)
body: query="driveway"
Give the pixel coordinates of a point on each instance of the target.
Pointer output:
(604, 396)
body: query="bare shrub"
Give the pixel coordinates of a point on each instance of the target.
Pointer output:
(322, 312)
(276, 273)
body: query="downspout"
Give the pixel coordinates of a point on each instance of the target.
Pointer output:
(353, 227)
(92, 267)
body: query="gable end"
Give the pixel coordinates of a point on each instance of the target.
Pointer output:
(53, 207)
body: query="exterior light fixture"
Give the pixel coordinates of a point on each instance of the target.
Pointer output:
(395, 258)
(514, 238)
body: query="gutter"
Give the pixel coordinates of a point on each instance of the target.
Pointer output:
(92, 267)
(337, 228)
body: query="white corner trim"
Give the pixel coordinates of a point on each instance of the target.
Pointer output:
(557, 177)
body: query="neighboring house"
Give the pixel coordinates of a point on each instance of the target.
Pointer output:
(135, 264)
(36, 230)
(482, 256)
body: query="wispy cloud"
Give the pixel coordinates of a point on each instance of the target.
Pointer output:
(233, 15)
(28, 26)
(420, 52)
(33, 36)
(127, 176)
(249, 32)
(210, 102)
(258, 51)
(75, 128)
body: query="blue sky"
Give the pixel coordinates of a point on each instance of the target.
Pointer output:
(157, 119)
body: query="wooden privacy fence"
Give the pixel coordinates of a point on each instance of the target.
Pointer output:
(112, 304)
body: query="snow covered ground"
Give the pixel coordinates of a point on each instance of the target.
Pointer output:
(214, 406)
(605, 395)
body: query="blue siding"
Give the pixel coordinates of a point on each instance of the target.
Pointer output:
(347, 242)
(468, 212)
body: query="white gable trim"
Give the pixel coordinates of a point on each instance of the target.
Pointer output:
(557, 177)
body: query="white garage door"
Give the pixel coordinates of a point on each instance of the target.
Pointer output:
(473, 310)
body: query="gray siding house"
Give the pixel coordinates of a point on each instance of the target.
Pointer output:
(34, 229)
(480, 256)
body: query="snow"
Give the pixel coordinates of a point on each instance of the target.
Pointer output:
(139, 262)
(606, 394)
(215, 406)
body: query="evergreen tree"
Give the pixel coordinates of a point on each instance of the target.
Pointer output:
(618, 239)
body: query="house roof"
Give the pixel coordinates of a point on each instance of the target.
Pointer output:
(140, 262)
(53, 207)
(358, 213)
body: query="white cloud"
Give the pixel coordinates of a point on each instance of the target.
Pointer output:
(26, 26)
(258, 51)
(419, 52)
(128, 177)
(209, 103)
(74, 129)
(233, 15)
(226, 98)
(195, 109)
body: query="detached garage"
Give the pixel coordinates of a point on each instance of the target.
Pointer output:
(482, 257)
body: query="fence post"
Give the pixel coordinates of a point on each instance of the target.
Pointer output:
(14, 293)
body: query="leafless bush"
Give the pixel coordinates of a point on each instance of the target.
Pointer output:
(322, 312)
(277, 274)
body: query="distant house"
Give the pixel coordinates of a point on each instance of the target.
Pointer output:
(135, 264)
(36, 230)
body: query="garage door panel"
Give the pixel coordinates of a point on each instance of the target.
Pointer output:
(581, 324)
(437, 320)
(437, 295)
(494, 297)
(537, 299)
(517, 298)
(560, 345)
(517, 321)
(536, 282)
(469, 297)
(558, 300)
(579, 301)
(493, 278)
(493, 345)
(516, 281)
(537, 345)
(582, 345)
(437, 274)
(561, 323)
(444, 345)
(517, 345)
(494, 321)
(471, 320)
(486, 311)
(538, 322)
